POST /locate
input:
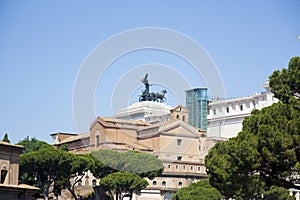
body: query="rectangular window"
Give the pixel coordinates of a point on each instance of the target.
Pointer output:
(179, 157)
(97, 140)
(179, 141)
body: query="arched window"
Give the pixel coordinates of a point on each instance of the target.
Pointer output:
(169, 166)
(97, 140)
(164, 184)
(94, 182)
(227, 109)
(179, 184)
(154, 183)
(87, 183)
(3, 173)
(192, 168)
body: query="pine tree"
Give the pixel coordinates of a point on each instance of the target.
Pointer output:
(5, 138)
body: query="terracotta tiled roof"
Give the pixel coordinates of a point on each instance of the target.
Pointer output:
(21, 186)
(11, 145)
(114, 120)
(119, 123)
(75, 137)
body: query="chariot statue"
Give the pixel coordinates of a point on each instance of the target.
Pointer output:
(151, 96)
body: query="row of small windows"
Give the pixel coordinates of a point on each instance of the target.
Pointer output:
(254, 102)
(178, 117)
(228, 110)
(94, 182)
(154, 183)
(164, 184)
(184, 167)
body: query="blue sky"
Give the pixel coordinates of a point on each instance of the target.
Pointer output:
(44, 43)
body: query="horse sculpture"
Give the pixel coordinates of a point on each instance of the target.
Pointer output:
(159, 96)
(147, 96)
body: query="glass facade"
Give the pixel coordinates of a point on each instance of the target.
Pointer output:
(196, 103)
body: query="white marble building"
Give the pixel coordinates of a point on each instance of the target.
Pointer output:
(225, 117)
(148, 111)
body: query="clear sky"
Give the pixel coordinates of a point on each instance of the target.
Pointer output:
(44, 43)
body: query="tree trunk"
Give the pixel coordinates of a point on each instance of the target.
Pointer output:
(111, 194)
(72, 191)
(72, 188)
(46, 191)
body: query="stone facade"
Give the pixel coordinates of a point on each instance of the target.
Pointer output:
(176, 143)
(146, 111)
(9, 163)
(180, 113)
(9, 174)
(225, 117)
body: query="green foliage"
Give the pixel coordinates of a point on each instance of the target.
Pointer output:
(129, 170)
(79, 165)
(123, 182)
(99, 169)
(278, 193)
(44, 166)
(201, 190)
(228, 165)
(32, 144)
(64, 147)
(143, 164)
(266, 152)
(27, 175)
(286, 83)
(5, 138)
(91, 194)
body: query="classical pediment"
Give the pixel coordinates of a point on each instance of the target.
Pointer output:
(108, 122)
(171, 127)
(178, 127)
